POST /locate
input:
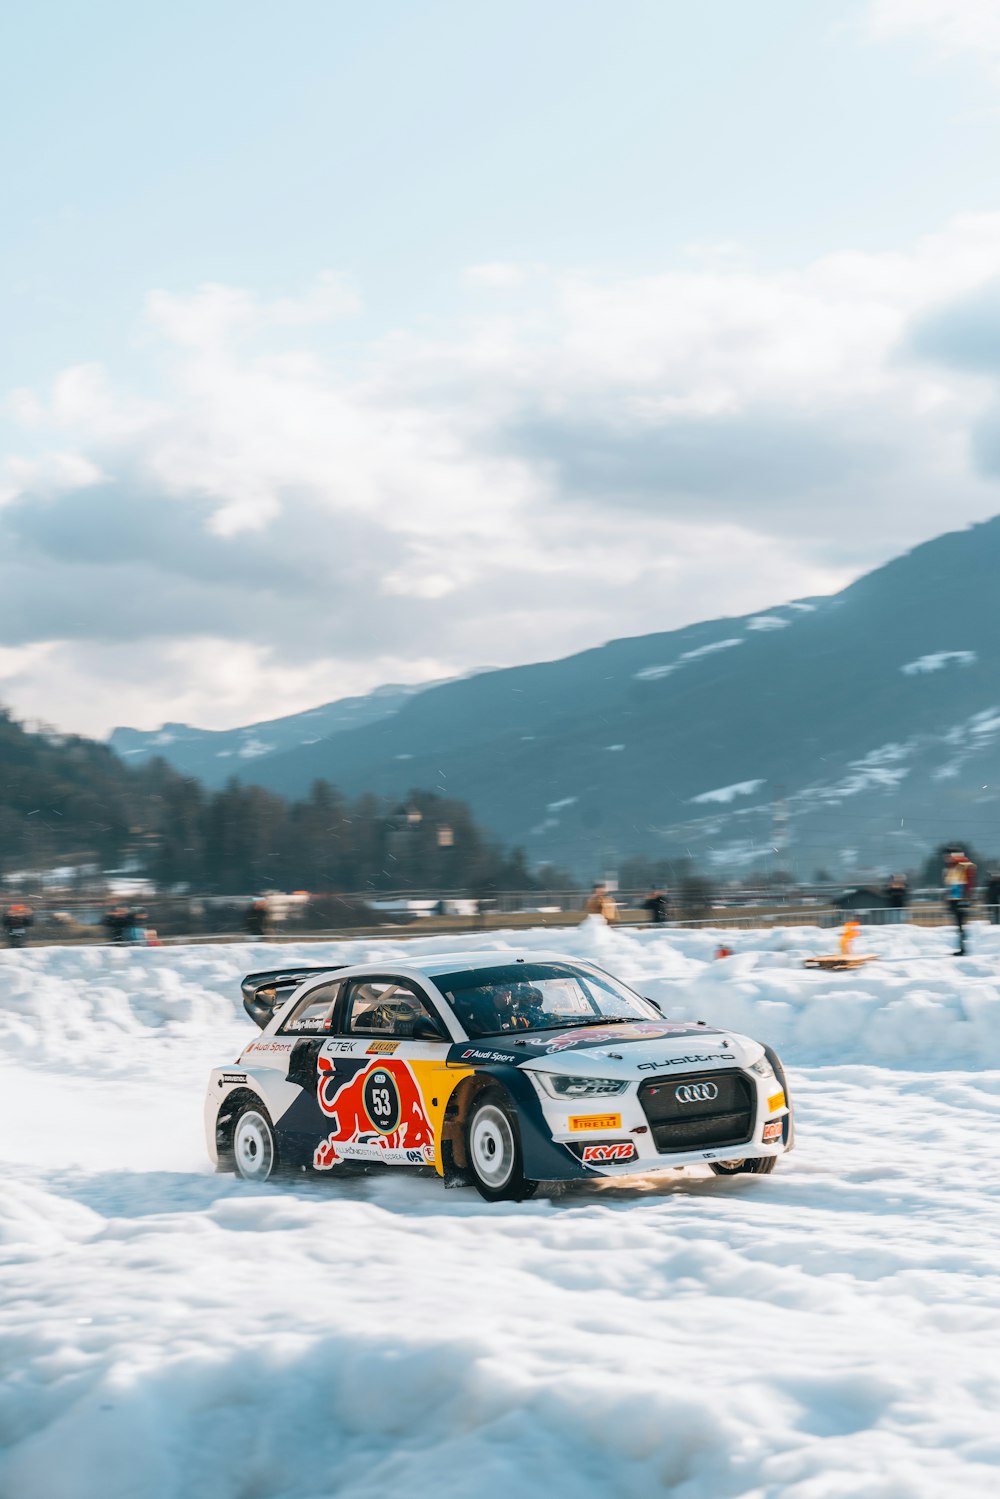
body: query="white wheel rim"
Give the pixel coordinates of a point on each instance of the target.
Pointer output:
(492, 1147)
(253, 1147)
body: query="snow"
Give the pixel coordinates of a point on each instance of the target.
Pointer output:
(985, 723)
(655, 673)
(882, 768)
(826, 1331)
(727, 793)
(708, 650)
(768, 622)
(252, 748)
(937, 661)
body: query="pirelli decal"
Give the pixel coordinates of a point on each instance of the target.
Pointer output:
(578, 1122)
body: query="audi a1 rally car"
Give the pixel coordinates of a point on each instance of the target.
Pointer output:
(503, 1070)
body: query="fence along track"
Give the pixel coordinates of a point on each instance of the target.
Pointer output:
(498, 921)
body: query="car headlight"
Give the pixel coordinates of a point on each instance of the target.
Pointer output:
(560, 1086)
(764, 1069)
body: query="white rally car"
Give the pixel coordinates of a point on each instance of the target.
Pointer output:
(500, 1069)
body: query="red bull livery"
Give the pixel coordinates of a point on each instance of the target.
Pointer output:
(503, 1070)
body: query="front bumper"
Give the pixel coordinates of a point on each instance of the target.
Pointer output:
(625, 1136)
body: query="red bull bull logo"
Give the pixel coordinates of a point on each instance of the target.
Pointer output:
(636, 1030)
(378, 1114)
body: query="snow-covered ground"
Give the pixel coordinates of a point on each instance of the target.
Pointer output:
(828, 1331)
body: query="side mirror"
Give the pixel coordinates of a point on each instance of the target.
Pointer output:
(655, 1003)
(427, 1029)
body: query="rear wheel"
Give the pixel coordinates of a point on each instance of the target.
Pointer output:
(759, 1165)
(493, 1150)
(255, 1154)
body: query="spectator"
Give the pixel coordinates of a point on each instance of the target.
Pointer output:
(658, 906)
(959, 880)
(256, 918)
(16, 921)
(114, 923)
(993, 896)
(135, 928)
(897, 896)
(600, 902)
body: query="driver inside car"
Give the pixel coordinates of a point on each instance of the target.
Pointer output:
(518, 1007)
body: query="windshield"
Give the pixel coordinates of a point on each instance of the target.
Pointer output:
(538, 997)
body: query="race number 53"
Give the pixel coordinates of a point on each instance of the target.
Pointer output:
(381, 1098)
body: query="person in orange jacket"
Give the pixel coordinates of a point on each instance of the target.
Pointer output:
(16, 920)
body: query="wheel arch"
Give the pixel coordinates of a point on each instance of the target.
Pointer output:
(779, 1072)
(225, 1122)
(454, 1158)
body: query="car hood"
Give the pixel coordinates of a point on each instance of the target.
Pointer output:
(635, 1049)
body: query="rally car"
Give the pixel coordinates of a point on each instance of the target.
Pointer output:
(500, 1069)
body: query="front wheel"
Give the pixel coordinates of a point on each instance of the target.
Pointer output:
(493, 1149)
(759, 1165)
(255, 1154)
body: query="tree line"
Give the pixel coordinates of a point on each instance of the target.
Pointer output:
(67, 799)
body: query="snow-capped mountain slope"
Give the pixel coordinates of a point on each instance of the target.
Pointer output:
(213, 755)
(863, 726)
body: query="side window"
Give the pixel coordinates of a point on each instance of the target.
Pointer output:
(382, 1007)
(313, 1015)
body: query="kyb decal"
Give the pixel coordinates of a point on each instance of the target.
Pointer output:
(619, 1150)
(378, 1114)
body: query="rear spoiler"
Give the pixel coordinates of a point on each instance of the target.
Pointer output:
(263, 992)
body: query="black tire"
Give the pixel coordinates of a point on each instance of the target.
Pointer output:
(254, 1147)
(755, 1165)
(493, 1149)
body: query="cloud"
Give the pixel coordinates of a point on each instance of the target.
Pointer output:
(216, 314)
(274, 523)
(52, 473)
(497, 275)
(949, 25)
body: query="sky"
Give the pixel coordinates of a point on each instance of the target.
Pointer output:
(343, 345)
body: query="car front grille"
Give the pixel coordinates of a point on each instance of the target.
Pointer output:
(699, 1110)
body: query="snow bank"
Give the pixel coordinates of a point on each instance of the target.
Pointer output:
(917, 1006)
(829, 1330)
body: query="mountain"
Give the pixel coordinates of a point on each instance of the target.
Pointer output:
(214, 755)
(859, 729)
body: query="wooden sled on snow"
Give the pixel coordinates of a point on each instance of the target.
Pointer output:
(833, 962)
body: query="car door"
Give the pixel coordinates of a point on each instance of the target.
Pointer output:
(383, 1078)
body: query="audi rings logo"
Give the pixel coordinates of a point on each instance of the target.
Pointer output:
(696, 1093)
